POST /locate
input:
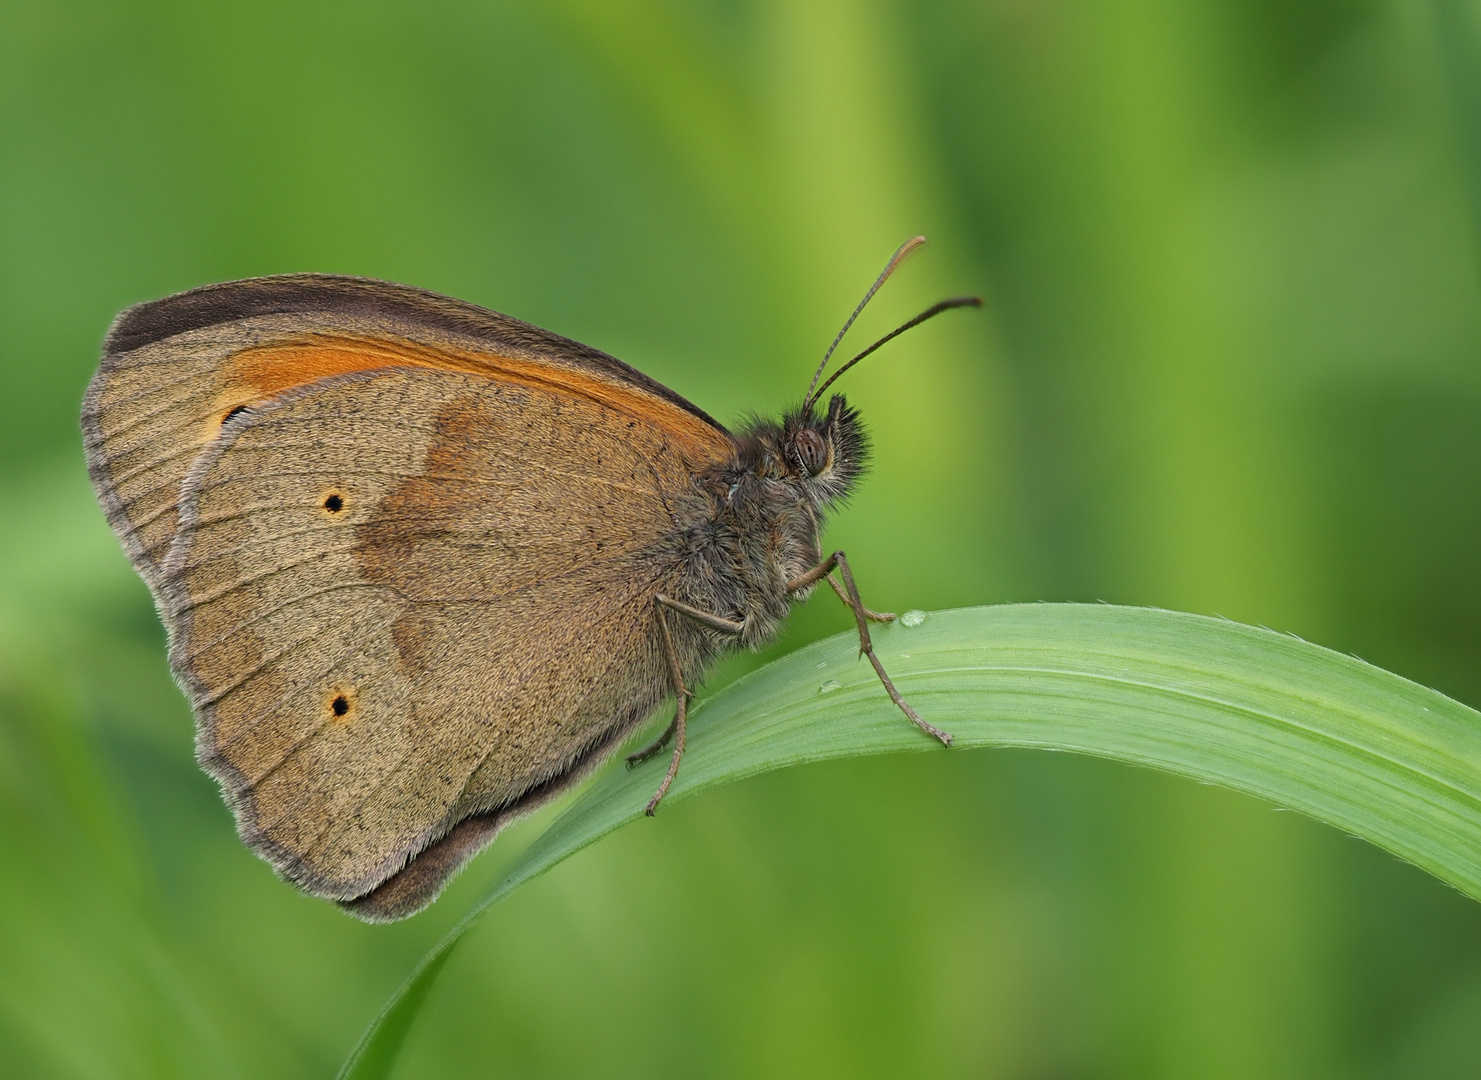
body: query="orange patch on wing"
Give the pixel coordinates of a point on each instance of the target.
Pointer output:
(271, 369)
(257, 374)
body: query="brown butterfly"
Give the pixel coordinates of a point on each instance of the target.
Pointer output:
(423, 566)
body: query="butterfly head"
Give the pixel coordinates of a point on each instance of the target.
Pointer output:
(824, 454)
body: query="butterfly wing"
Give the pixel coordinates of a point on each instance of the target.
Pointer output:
(407, 602)
(174, 370)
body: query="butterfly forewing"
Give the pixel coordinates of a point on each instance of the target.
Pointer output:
(407, 596)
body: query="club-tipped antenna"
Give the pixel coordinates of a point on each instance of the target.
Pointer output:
(884, 275)
(930, 313)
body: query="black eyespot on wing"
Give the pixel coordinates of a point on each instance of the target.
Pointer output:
(339, 702)
(334, 502)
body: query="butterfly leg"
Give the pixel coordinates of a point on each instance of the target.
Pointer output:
(872, 616)
(839, 562)
(637, 757)
(681, 695)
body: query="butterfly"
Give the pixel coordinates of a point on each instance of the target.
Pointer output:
(424, 566)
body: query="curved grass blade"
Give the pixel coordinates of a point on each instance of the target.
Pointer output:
(1350, 744)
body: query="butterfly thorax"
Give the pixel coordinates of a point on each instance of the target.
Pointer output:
(756, 523)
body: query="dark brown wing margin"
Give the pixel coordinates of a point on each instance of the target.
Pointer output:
(285, 294)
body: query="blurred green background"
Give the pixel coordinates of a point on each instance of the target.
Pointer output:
(1228, 364)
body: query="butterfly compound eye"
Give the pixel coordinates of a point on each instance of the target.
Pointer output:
(810, 450)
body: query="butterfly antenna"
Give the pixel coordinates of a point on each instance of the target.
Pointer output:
(930, 313)
(884, 275)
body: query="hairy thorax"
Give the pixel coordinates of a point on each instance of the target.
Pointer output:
(745, 536)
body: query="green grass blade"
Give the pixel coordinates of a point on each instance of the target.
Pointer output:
(1367, 751)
